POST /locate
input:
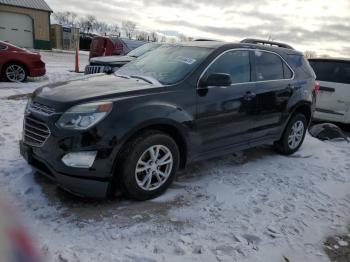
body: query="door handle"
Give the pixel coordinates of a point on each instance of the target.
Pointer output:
(249, 96)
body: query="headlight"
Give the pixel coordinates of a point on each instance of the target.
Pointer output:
(82, 117)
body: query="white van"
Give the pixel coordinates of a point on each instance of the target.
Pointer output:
(333, 100)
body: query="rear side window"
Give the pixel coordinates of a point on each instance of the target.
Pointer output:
(332, 71)
(288, 74)
(234, 63)
(268, 66)
(3, 47)
(300, 65)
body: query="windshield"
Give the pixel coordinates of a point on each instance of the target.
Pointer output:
(143, 49)
(167, 64)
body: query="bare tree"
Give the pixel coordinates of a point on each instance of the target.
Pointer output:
(87, 23)
(154, 37)
(182, 38)
(142, 36)
(115, 29)
(129, 28)
(101, 28)
(310, 54)
(66, 18)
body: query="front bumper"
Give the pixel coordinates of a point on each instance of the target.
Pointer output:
(36, 72)
(77, 185)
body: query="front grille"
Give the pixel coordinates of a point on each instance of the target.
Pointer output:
(35, 132)
(41, 109)
(93, 69)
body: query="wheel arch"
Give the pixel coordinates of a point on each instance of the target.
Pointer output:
(303, 108)
(166, 126)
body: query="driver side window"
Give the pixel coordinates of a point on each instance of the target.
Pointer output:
(234, 63)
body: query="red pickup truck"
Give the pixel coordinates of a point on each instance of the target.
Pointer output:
(108, 46)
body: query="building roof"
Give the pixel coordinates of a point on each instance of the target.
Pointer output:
(32, 4)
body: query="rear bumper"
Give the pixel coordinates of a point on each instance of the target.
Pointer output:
(80, 186)
(36, 72)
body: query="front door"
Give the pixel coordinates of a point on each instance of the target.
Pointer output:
(222, 119)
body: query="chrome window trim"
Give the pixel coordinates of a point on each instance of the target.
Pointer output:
(250, 82)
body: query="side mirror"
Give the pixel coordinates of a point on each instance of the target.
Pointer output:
(217, 79)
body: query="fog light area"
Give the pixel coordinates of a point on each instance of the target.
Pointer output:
(80, 159)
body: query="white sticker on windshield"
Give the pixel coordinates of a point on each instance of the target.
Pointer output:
(186, 60)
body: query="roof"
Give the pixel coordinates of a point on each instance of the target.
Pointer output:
(32, 4)
(331, 59)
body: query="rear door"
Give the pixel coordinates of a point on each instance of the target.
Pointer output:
(333, 100)
(274, 87)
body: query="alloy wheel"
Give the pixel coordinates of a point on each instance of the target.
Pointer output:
(154, 167)
(15, 73)
(296, 135)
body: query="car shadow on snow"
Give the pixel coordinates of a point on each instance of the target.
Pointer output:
(126, 212)
(122, 211)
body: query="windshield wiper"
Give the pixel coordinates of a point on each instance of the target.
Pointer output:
(123, 76)
(142, 78)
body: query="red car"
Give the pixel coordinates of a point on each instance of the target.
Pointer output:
(108, 46)
(17, 63)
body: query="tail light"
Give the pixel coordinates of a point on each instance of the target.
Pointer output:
(316, 87)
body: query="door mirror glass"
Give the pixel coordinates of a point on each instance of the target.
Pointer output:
(217, 79)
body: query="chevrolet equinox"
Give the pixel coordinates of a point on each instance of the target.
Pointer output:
(175, 105)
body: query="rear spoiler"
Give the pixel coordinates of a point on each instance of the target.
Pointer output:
(266, 42)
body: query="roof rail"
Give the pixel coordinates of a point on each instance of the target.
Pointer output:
(266, 42)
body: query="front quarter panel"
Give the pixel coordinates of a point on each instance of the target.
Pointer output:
(173, 107)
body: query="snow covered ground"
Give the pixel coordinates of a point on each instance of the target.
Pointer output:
(254, 206)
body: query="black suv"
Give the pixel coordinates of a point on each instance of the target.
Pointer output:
(180, 103)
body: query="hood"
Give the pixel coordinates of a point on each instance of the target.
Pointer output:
(91, 88)
(111, 60)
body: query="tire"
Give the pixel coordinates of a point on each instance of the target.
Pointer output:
(140, 178)
(285, 145)
(15, 72)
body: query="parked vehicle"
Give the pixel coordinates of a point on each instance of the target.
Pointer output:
(85, 40)
(18, 63)
(108, 46)
(108, 64)
(178, 104)
(333, 102)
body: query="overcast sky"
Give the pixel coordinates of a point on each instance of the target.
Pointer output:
(316, 25)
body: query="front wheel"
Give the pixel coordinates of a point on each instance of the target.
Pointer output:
(293, 135)
(148, 165)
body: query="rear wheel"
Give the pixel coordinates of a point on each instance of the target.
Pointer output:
(148, 165)
(293, 135)
(15, 73)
